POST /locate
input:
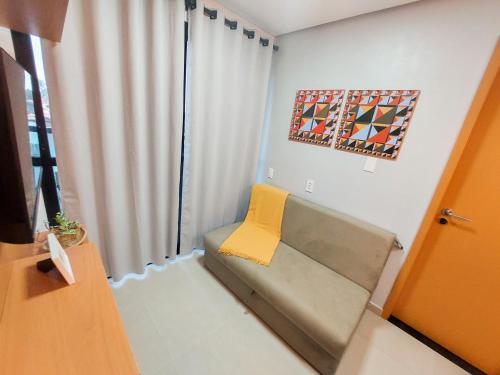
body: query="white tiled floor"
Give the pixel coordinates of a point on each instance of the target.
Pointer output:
(182, 320)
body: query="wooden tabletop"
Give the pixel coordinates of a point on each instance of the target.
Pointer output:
(49, 327)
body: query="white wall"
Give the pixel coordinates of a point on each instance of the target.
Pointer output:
(440, 47)
(6, 41)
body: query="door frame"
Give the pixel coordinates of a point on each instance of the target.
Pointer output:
(470, 120)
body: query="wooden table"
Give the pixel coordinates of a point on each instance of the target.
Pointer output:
(48, 327)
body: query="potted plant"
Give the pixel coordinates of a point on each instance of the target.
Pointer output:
(68, 232)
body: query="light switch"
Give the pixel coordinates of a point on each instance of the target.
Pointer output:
(309, 186)
(270, 173)
(370, 164)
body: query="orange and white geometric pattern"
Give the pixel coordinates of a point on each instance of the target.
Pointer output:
(374, 122)
(314, 116)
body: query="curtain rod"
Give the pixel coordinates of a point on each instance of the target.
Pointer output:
(232, 24)
(215, 4)
(211, 13)
(250, 34)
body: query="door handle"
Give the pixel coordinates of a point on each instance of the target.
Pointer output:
(449, 212)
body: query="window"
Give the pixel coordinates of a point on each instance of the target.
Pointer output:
(37, 54)
(30, 108)
(28, 51)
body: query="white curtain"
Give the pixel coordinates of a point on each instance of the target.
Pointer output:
(227, 87)
(116, 89)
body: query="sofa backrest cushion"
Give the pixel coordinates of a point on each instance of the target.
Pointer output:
(349, 246)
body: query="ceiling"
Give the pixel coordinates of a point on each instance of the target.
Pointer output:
(283, 16)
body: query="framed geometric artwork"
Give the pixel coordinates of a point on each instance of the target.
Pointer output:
(314, 116)
(375, 122)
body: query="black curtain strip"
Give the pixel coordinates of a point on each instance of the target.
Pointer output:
(183, 139)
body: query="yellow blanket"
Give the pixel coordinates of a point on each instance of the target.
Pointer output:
(257, 238)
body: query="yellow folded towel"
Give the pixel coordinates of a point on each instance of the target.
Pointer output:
(257, 238)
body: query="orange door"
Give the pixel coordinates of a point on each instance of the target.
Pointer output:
(452, 294)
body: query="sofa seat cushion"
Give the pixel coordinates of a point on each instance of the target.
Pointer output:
(319, 301)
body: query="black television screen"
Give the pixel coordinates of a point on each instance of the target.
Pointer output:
(18, 191)
(31, 194)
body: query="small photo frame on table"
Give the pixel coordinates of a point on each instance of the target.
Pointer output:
(58, 259)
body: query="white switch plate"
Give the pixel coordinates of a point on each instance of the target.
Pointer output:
(270, 173)
(309, 185)
(370, 164)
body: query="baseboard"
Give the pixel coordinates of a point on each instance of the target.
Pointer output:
(436, 347)
(374, 308)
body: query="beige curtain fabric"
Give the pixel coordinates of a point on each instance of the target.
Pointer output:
(116, 88)
(227, 89)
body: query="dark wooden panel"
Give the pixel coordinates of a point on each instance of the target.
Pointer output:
(44, 18)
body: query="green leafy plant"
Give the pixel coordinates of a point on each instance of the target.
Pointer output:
(64, 225)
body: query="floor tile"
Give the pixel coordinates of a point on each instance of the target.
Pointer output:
(363, 358)
(150, 349)
(397, 344)
(182, 320)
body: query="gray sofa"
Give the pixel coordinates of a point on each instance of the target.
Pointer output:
(319, 282)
